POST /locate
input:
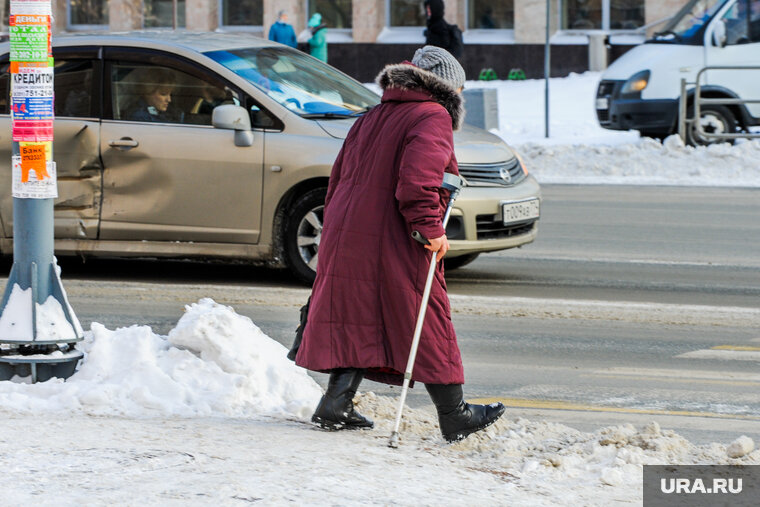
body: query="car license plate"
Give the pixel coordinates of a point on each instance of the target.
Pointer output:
(520, 211)
(603, 103)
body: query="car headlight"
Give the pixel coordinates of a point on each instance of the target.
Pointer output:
(636, 83)
(522, 163)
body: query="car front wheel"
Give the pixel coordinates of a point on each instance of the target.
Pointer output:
(713, 120)
(303, 232)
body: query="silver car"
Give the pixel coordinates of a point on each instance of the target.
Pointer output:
(220, 145)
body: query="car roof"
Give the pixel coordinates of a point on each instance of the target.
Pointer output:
(198, 42)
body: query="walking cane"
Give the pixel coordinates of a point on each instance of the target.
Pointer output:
(452, 184)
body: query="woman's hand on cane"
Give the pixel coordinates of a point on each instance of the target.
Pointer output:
(440, 245)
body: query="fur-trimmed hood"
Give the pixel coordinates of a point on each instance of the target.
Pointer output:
(409, 77)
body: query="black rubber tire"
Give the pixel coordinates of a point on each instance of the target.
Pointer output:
(296, 224)
(721, 120)
(458, 262)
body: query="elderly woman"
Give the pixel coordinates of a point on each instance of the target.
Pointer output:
(386, 183)
(153, 93)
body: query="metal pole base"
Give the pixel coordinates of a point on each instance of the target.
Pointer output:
(41, 352)
(40, 367)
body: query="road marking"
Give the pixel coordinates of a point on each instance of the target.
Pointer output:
(579, 407)
(624, 311)
(726, 355)
(615, 260)
(690, 374)
(680, 376)
(735, 347)
(743, 383)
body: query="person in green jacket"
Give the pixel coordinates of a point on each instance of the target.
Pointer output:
(318, 41)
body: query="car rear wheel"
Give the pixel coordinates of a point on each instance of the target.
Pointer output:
(714, 120)
(303, 232)
(458, 262)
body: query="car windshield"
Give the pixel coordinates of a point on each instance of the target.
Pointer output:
(689, 20)
(299, 82)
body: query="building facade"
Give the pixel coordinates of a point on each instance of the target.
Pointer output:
(493, 29)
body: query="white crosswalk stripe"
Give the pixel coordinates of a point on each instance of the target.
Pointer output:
(722, 354)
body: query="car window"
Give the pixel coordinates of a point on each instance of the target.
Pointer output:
(742, 22)
(300, 83)
(73, 88)
(154, 93)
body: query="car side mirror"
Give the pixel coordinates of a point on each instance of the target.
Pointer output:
(232, 117)
(719, 33)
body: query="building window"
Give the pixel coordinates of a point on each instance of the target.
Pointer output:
(407, 13)
(242, 12)
(160, 13)
(87, 12)
(491, 14)
(582, 14)
(335, 13)
(602, 14)
(626, 14)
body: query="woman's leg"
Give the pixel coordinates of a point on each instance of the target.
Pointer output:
(458, 418)
(336, 408)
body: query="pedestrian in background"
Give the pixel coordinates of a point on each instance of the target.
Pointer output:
(439, 33)
(371, 273)
(282, 32)
(318, 40)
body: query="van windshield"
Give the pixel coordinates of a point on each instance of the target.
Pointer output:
(686, 27)
(300, 83)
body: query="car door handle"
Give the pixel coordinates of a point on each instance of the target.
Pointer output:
(125, 143)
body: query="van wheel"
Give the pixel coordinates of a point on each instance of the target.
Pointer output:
(303, 232)
(714, 120)
(458, 262)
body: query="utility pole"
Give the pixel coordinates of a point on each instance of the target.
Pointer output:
(547, 68)
(38, 328)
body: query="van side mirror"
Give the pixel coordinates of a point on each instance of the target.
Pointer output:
(719, 33)
(232, 117)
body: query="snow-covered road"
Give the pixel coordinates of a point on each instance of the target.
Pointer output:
(203, 417)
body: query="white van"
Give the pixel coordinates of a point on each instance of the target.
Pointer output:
(641, 89)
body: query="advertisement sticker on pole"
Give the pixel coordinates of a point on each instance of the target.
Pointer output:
(38, 328)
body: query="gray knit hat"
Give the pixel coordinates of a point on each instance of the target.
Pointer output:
(441, 63)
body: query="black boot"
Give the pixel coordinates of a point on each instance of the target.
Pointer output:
(336, 408)
(457, 418)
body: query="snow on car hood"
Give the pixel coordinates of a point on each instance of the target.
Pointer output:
(471, 144)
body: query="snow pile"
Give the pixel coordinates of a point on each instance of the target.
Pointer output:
(646, 162)
(580, 151)
(213, 363)
(549, 458)
(572, 113)
(740, 447)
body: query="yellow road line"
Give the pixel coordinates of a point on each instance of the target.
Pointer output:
(676, 380)
(736, 347)
(565, 405)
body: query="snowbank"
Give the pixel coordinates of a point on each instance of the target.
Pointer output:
(647, 162)
(213, 363)
(579, 151)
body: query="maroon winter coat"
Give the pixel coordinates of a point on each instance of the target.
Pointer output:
(371, 274)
